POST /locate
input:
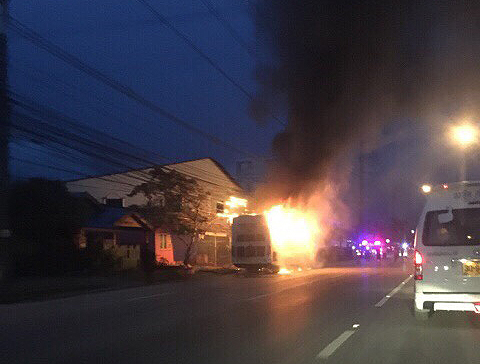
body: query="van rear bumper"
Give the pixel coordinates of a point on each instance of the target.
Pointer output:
(446, 301)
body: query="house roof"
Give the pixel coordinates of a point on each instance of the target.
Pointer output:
(224, 171)
(86, 196)
(108, 216)
(222, 168)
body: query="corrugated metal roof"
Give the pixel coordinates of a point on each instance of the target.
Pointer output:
(219, 166)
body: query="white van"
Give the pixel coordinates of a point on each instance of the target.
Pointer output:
(251, 247)
(447, 251)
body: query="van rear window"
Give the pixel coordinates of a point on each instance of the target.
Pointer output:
(463, 230)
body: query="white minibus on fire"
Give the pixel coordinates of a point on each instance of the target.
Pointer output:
(251, 246)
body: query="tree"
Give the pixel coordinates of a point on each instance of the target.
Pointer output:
(177, 203)
(44, 219)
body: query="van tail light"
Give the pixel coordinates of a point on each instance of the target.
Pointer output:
(418, 258)
(418, 274)
(477, 307)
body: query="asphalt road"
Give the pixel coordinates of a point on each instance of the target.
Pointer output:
(334, 315)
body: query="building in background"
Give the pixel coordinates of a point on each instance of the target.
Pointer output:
(227, 199)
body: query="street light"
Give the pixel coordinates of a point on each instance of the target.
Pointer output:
(426, 188)
(464, 135)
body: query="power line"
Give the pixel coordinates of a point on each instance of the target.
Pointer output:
(75, 62)
(188, 41)
(49, 150)
(48, 166)
(98, 150)
(78, 173)
(202, 54)
(51, 134)
(54, 140)
(63, 154)
(129, 174)
(59, 81)
(93, 149)
(235, 35)
(60, 169)
(140, 174)
(152, 135)
(95, 132)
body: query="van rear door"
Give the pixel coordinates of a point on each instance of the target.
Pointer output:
(451, 251)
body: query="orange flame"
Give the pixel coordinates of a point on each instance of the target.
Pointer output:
(294, 234)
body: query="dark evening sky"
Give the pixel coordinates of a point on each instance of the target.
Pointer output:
(125, 41)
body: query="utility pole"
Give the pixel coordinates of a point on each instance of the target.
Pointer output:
(463, 165)
(4, 132)
(361, 189)
(215, 238)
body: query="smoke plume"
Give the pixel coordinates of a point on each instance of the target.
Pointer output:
(347, 67)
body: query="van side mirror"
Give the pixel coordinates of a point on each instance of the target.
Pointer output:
(446, 217)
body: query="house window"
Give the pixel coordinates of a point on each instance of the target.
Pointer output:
(220, 207)
(162, 241)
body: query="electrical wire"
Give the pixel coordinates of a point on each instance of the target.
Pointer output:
(75, 62)
(160, 157)
(231, 30)
(93, 149)
(202, 54)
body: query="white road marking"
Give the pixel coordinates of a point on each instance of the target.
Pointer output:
(394, 291)
(289, 288)
(334, 345)
(151, 296)
(259, 296)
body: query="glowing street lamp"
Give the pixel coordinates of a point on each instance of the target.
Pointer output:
(426, 188)
(464, 135)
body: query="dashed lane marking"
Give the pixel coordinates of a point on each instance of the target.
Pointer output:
(289, 288)
(393, 292)
(334, 345)
(151, 296)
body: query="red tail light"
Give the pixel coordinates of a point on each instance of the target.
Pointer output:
(418, 275)
(477, 307)
(418, 258)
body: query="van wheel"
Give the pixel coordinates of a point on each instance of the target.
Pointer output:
(421, 315)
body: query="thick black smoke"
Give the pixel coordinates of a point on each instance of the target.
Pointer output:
(348, 67)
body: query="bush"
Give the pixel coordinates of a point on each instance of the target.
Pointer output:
(104, 260)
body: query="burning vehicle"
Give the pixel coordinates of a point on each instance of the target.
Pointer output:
(251, 244)
(281, 238)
